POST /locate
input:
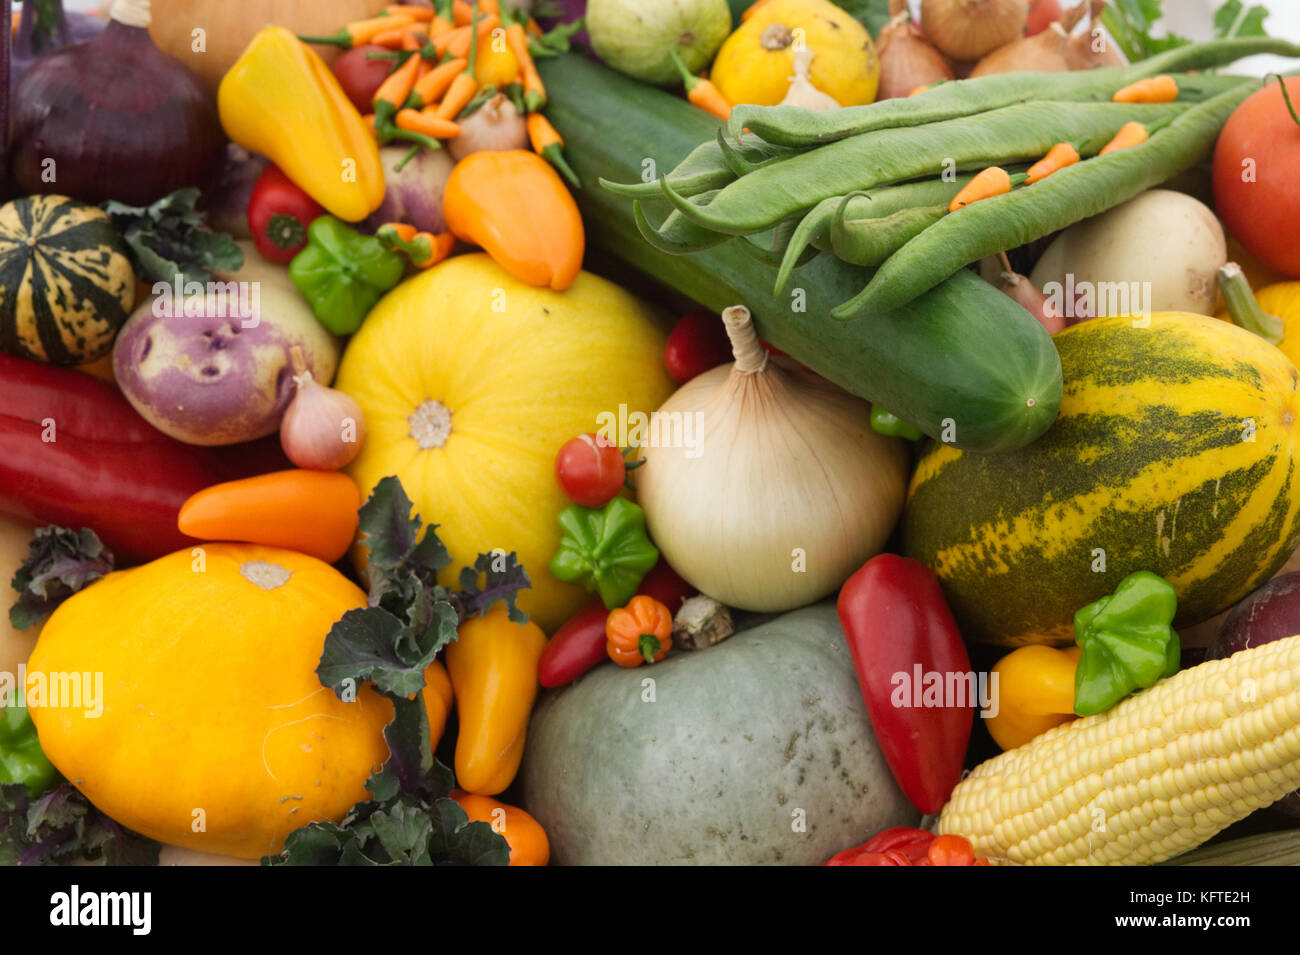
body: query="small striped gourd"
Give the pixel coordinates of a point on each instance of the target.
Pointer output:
(1175, 452)
(66, 283)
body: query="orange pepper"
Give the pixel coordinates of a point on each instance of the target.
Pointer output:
(457, 42)
(1057, 158)
(424, 121)
(527, 838)
(1153, 89)
(461, 91)
(989, 182)
(313, 512)
(641, 632)
(534, 89)
(438, 699)
(515, 206)
(415, 13)
(430, 87)
(1130, 134)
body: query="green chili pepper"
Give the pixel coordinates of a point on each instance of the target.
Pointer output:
(1068, 195)
(1128, 642)
(1021, 133)
(21, 758)
(343, 273)
(605, 549)
(884, 422)
(795, 126)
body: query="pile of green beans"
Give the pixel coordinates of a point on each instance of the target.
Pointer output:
(872, 184)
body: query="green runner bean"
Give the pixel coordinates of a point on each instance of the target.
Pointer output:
(704, 168)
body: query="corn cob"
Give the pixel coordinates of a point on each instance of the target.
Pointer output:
(1154, 776)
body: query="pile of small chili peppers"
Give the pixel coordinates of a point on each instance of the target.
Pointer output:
(433, 84)
(904, 846)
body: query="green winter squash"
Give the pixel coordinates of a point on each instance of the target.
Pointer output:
(66, 283)
(1175, 452)
(755, 751)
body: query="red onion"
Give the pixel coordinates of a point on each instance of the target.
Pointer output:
(46, 27)
(118, 118)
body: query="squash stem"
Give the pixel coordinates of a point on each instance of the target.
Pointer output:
(1245, 309)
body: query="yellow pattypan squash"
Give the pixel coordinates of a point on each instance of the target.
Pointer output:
(471, 381)
(756, 62)
(1281, 300)
(215, 732)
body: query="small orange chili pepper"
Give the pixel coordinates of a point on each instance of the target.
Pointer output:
(422, 121)
(534, 89)
(951, 851)
(424, 249)
(458, 95)
(1130, 134)
(641, 632)
(701, 92)
(524, 834)
(548, 144)
(408, 37)
(462, 12)
(919, 89)
(533, 28)
(1057, 158)
(424, 14)
(516, 208)
(1153, 89)
(988, 183)
(360, 31)
(430, 87)
(393, 92)
(313, 512)
(440, 25)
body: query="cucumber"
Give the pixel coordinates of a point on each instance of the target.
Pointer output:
(962, 362)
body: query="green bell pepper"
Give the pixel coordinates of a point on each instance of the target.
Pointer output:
(1128, 642)
(605, 549)
(883, 422)
(342, 273)
(21, 758)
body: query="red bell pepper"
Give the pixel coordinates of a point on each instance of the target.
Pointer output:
(913, 847)
(899, 631)
(580, 643)
(697, 343)
(74, 452)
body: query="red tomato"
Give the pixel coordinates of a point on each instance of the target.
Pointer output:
(360, 77)
(278, 216)
(1255, 164)
(1042, 14)
(697, 343)
(590, 470)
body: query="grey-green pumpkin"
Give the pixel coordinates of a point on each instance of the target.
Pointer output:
(755, 751)
(66, 282)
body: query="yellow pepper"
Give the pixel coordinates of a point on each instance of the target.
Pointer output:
(281, 100)
(438, 698)
(493, 667)
(1035, 691)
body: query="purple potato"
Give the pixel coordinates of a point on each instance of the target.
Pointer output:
(1271, 613)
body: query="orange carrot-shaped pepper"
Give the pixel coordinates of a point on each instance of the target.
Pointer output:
(548, 144)
(430, 87)
(314, 512)
(524, 834)
(1130, 134)
(424, 14)
(641, 632)
(534, 89)
(701, 92)
(988, 183)
(360, 31)
(1057, 158)
(424, 121)
(515, 206)
(461, 91)
(392, 93)
(1153, 89)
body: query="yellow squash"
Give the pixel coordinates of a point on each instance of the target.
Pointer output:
(215, 732)
(471, 381)
(1281, 300)
(493, 666)
(756, 62)
(281, 100)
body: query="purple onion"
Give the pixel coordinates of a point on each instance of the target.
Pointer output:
(120, 120)
(57, 29)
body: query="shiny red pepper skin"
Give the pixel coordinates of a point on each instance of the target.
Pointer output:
(895, 619)
(697, 343)
(107, 468)
(579, 644)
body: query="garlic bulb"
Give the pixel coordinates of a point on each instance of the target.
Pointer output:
(765, 487)
(970, 29)
(802, 92)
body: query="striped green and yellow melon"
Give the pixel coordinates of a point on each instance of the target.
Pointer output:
(66, 283)
(1175, 451)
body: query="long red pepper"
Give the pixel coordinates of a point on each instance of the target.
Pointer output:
(579, 644)
(74, 452)
(899, 628)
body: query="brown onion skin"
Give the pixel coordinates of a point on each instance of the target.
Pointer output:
(120, 119)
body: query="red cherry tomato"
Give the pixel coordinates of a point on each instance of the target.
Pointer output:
(360, 77)
(278, 216)
(1042, 14)
(951, 850)
(697, 343)
(590, 470)
(1255, 163)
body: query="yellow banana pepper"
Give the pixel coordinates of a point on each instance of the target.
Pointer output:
(493, 667)
(281, 100)
(1035, 687)
(437, 700)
